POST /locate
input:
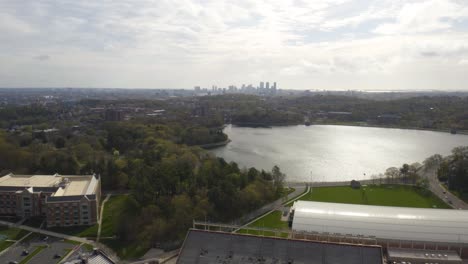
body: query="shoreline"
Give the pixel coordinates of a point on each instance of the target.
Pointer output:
(262, 125)
(215, 145)
(446, 130)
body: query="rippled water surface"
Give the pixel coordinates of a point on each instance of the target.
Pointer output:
(333, 153)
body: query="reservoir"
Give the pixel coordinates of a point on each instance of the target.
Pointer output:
(333, 153)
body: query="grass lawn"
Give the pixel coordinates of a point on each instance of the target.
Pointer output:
(10, 234)
(79, 231)
(386, 195)
(270, 221)
(5, 244)
(112, 210)
(88, 247)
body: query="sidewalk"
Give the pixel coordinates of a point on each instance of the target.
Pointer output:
(46, 232)
(299, 189)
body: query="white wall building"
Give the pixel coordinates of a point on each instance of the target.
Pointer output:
(384, 222)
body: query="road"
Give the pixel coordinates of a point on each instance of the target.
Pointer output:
(440, 191)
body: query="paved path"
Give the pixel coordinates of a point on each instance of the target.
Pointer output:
(100, 217)
(299, 189)
(440, 191)
(74, 249)
(47, 232)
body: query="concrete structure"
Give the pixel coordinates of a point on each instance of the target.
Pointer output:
(63, 200)
(390, 227)
(397, 255)
(399, 223)
(218, 247)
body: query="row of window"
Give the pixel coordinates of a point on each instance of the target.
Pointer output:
(7, 202)
(68, 223)
(66, 212)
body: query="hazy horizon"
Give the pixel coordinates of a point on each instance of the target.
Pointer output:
(284, 89)
(390, 45)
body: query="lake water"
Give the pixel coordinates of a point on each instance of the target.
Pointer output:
(333, 153)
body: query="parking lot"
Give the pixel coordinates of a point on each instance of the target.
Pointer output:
(54, 250)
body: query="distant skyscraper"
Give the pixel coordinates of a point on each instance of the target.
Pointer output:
(261, 85)
(273, 89)
(267, 85)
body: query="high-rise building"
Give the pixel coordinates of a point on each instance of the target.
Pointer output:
(267, 85)
(274, 85)
(114, 115)
(261, 85)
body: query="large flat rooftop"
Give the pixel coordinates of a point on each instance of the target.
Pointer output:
(29, 180)
(67, 185)
(216, 247)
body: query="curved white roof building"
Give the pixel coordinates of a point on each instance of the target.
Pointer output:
(401, 223)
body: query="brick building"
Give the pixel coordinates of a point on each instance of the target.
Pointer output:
(63, 200)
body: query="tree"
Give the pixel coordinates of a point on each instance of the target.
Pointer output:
(423, 184)
(278, 179)
(432, 162)
(60, 142)
(392, 173)
(404, 169)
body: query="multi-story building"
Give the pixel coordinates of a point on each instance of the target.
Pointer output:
(62, 200)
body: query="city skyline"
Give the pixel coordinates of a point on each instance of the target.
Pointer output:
(327, 44)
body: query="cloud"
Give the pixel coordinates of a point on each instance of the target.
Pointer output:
(424, 16)
(13, 26)
(42, 57)
(184, 43)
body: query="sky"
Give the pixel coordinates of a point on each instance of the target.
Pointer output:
(300, 44)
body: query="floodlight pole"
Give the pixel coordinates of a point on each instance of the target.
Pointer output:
(311, 182)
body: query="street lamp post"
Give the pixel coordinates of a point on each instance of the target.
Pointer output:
(311, 182)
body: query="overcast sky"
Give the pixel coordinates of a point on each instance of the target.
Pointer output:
(301, 44)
